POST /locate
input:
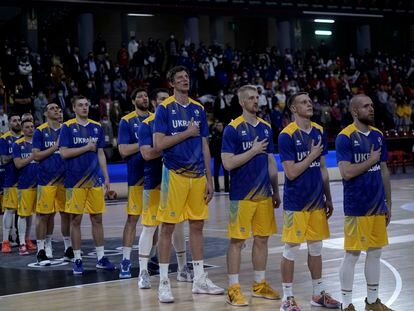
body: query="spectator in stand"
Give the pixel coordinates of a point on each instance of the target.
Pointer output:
(132, 47)
(4, 121)
(40, 103)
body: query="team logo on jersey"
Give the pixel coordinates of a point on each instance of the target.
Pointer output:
(75, 130)
(95, 130)
(197, 113)
(173, 111)
(22, 147)
(380, 141)
(46, 135)
(135, 125)
(266, 132)
(244, 133)
(298, 143)
(320, 138)
(356, 143)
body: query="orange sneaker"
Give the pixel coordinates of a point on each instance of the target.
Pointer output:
(30, 245)
(5, 247)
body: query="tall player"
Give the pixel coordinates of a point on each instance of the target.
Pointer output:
(26, 184)
(51, 193)
(10, 178)
(181, 133)
(361, 153)
(151, 199)
(307, 202)
(247, 153)
(81, 143)
(128, 146)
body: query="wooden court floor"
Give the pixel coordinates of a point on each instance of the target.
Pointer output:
(397, 269)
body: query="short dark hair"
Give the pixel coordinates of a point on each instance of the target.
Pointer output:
(25, 121)
(155, 92)
(76, 98)
(50, 103)
(292, 98)
(14, 114)
(136, 91)
(173, 71)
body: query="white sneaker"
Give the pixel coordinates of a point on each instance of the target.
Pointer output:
(164, 291)
(49, 251)
(204, 285)
(185, 275)
(144, 280)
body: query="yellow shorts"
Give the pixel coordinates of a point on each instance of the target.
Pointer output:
(134, 206)
(247, 216)
(150, 204)
(50, 199)
(10, 198)
(27, 201)
(85, 200)
(301, 226)
(363, 232)
(181, 198)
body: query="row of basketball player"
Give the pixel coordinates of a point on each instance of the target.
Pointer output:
(169, 181)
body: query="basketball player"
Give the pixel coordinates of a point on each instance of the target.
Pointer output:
(247, 153)
(51, 193)
(361, 153)
(10, 178)
(151, 199)
(128, 146)
(307, 202)
(181, 133)
(81, 143)
(26, 184)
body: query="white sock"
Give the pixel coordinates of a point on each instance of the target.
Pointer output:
(126, 252)
(7, 223)
(21, 227)
(67, 241)
(233, 279)
(164, 271)
(346, 276)
(317, 286)
(49, 241)
(178, 241)
(40, 244)
(287, 290)
(259, 276)
(198, 266)
(77, 253)
(181, 260)
(100, 252)
(372, 273)
(143, 263)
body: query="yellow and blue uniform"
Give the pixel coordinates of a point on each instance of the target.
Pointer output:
(251, 208)
(1, 184)
(304, 215)
(27, 180)
(364, 195)
(152, 176)
(183, 177)
(10, 172)
(50, 190)
(128, 134)
(83, 176)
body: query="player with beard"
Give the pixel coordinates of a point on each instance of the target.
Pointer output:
(362, 154)
(307, 202)
(10, 178)
(129, 146)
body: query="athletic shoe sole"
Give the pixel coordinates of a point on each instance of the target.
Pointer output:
(125, 276)
(236, 305)
(264, 297)
(315, 304)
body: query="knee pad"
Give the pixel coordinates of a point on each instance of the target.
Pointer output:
(315, 248)
(291, 251)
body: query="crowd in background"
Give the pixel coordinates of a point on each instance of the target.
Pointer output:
(30, 79)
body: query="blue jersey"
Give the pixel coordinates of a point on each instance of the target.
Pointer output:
(6, 149)
(171, 118)
(363, 194)
(82, 171)
(305, 192)
(27, 179)
(153, 168)
(51, 169)
(251, 180)
(128, 134)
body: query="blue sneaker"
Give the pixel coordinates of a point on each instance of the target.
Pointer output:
(104, 263)
(125, 271)
(77, 267)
